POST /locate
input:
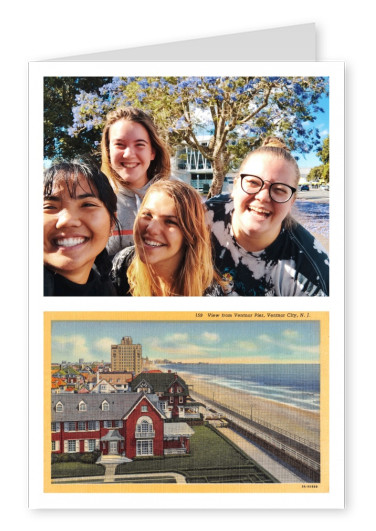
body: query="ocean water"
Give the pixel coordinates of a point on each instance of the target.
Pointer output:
(297, 385)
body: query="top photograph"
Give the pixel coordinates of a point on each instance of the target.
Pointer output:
(186, 186)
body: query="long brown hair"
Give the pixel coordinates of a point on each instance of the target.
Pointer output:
(159, 168)
(196, 272)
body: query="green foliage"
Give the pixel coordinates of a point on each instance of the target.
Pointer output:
(237, 112)
(59, 98)
(315, 174)
(86, 457)
(323, 153)
(321, 173)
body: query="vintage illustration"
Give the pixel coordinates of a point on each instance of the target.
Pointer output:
(186, 401)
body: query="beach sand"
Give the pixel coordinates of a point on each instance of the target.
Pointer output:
(296, 421)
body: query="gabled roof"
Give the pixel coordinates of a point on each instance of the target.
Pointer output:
(153, 401)
(120, 405)
(159, 382)
(103, 382)
(112, 435)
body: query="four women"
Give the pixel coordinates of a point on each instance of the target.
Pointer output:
(259, 249)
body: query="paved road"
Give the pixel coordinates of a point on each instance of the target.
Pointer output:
(315, 196)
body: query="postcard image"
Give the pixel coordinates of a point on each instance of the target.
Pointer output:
(187, 402)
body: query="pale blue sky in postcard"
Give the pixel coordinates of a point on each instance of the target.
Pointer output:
(191, 341)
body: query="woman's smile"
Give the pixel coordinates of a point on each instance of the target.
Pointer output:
(257, 219)
(159, 239)
(131, 152)
(76, 230)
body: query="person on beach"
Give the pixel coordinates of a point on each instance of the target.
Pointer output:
(79, 212)
(260, 249)
(133, 157)
(172, 253)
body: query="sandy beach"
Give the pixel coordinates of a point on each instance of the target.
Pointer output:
(297, 421)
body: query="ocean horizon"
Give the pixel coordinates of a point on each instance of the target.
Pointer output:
(295, 384)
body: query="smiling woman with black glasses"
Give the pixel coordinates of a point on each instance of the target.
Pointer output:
(260, 249)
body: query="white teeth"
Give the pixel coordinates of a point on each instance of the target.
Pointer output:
(70, 242)
(130, 165)
(153, 244)
(260, 211)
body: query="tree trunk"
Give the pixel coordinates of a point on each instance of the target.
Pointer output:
(220, 167)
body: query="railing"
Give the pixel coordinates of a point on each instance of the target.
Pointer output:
(262, 422)
(314, 465)
(175, 451)
(144, 434)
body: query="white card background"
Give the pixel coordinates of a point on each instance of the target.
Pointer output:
(39, 30)
(332, 304)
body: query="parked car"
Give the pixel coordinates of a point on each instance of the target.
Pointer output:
(304, 188)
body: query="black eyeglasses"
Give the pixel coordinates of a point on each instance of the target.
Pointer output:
(278, 192)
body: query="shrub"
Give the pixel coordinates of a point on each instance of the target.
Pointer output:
(90, 457)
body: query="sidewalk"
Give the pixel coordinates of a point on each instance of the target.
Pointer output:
(270, 464)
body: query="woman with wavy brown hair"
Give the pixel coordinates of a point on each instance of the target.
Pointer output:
(172, 253)
(134, 156)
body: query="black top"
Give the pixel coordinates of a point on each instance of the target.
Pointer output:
(96, 286)
(295, 264)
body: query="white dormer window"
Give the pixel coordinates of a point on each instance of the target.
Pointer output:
(82, 406)
(59, 407)
(105, 406)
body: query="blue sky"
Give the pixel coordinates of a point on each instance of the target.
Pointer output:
(185, 341)
(310, 160)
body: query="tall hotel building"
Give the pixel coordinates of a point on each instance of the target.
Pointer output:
(126, 356)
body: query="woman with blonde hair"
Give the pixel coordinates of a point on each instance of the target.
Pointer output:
(134, 156)
(172, 253)
(259, 247)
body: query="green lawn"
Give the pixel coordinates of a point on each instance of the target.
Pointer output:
(74, 469)
(212, 459)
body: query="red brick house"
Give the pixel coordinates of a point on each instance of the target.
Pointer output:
(118, 424)
(172, 392)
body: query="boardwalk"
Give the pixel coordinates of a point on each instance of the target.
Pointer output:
(262, 458)
(291, 449)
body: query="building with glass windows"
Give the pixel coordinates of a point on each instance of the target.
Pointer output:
(126, 357)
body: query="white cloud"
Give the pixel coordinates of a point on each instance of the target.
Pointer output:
(265, 338)
(246, 345)
(210, 337)
(176, 337)
(70, 347)
(290, 334)
(104, 344)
